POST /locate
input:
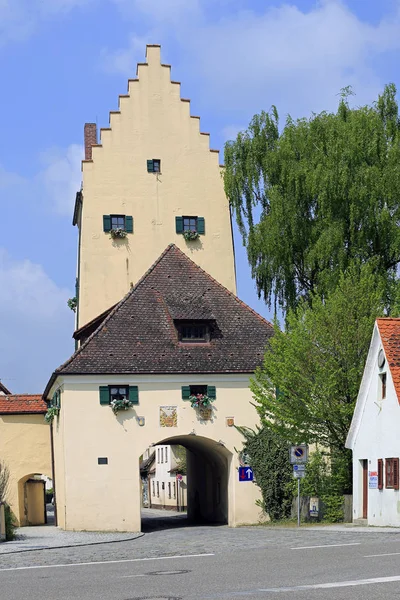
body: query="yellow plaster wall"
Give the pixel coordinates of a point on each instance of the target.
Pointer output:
(153, 122)
(107, 497)
(25, 448)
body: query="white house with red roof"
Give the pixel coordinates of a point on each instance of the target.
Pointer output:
(374, 432)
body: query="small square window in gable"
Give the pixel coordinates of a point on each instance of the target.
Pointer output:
(154, 165)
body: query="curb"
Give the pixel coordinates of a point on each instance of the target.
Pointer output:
(136, 537)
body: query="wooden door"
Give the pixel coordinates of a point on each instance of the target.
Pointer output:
(365, 489)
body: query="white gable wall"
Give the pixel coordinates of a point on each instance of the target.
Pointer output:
(375, 434)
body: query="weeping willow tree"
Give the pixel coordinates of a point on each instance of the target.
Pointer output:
(312, 198)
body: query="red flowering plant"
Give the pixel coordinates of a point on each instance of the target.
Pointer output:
(200, 401)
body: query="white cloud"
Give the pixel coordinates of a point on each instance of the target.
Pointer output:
(244, 61)
(35, 325)
(53, 188)
(61, 178)
(19, 18)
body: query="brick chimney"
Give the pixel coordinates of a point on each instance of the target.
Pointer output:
(90, 137)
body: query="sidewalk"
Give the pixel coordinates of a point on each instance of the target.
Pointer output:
(48, 536)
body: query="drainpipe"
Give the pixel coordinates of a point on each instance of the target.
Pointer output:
(53, 472)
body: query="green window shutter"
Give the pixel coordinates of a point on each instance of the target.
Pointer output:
(185, 392)
(179, 224)
(53, 401)
(104, 394)
(150, 166)
(106, 223)
(201, 225)
(134, 394)
(211, 391)
(129, 224)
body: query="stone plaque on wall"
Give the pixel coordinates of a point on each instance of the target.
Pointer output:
(168, 416)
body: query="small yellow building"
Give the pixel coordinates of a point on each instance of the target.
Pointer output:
(25, 449)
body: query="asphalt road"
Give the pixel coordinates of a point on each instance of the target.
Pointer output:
(215, 563)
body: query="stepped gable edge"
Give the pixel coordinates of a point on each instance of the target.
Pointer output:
(136, 80)
(138, 336)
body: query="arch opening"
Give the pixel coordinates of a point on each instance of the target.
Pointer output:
(198, 494)
(35, 500)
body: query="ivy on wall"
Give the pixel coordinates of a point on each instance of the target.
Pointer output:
(269, 458)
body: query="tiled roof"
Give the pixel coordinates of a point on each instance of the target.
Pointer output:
(22, 403)
(389, 330)
(139, 335)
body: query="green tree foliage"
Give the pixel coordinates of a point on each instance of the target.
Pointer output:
(307, 388)
(315, 197)
(269, 458)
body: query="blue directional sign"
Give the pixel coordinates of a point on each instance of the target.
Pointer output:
(246, 474)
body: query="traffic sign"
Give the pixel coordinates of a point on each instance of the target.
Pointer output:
(298, 474)
(246, 474)
(299, 454)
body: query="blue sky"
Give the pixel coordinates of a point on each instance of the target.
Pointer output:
(64, 62)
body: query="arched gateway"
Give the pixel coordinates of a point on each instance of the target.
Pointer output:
(179, 348)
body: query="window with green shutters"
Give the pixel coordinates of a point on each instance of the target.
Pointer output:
(190, 223)
(124, 222)
(192, 390)
(106, 393)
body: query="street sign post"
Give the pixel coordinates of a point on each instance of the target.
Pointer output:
(298, 455)
(246, 474)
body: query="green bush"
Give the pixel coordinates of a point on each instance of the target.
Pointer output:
(11, 523)
(333, 508)
(269, 458)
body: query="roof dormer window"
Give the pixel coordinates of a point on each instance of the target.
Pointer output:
(193, 331)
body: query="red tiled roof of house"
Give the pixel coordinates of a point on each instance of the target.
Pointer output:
(389, 330)
(22, 404)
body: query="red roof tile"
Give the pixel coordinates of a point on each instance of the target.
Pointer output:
(22, 403)
(389, 330)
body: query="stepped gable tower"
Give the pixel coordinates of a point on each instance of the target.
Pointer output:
(149, 178)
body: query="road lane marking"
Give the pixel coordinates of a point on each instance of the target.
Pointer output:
(105, 562)
(326, 546)
(375, 555)
(337, 584)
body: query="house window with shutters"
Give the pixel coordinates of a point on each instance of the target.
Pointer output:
(117, 222)
(154, 491)
(190, 223)
(169, 489)
(162, 455)
(193, 390)
(166, 454)
(108, 393)
(392, 473)
(174, 486)
(158, 489)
